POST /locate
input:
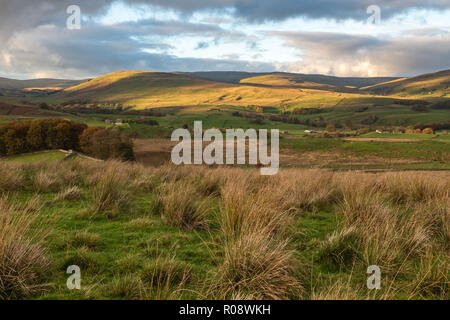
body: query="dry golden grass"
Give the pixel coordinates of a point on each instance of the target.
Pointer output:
(23, 259)
(309, 190)
(398, 221)
(257, 262)
(69, 194)
(375, 229)
(110, 195)
(245, 209)
(11, 177)
(164, 279)
(257, 265)
(179, 205)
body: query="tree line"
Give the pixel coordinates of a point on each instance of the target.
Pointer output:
(51, 134)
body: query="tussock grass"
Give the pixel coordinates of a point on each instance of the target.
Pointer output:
(255, 237)
(84, 239)
(110, 195)
(257, 266)
(245, 210)
(46, 181)
(403, 188)
(143, 223)
(179, 205)
(309, 190)
(127, 287)
(23, 258)
(431, 277)
(257, 262)
(376, 230)
(84, 258)
(11, 177)
(338, 290)
(128, 262)
(69, 194)
(165, 278)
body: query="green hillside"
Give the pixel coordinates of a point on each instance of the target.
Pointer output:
(287, 81)
(290, 79)
(427, 85)
(157, 89)
(326, 99)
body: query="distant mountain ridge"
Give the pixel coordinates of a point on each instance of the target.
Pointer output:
(13, 84)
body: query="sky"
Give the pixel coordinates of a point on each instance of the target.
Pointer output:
(362, 38)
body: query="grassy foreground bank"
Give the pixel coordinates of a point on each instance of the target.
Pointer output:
(202, 233)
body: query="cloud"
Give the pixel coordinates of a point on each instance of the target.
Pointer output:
(54, 52)
(263, 10)
(35, 42)
(361, 55)
(22, 14)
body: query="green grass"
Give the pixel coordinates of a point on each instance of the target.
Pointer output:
(419, 136)
(430, 150)
(126, 248)
(393, 166)
(40, 156)
(117, 255)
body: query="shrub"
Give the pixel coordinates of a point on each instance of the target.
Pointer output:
(330, 128)
(107, 144)
(38, 135)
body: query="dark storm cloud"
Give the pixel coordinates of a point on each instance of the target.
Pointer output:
(21, 14)
(260, 10)
(94, 50)
(34, 40)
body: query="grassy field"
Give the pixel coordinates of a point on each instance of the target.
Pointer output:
(185, 97)
(39, 156)
(431, 150)
(202, 233)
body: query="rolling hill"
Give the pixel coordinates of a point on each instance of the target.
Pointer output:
(54, 84)
(158, 89)
(145, 89)
(290, 79)
(432, 85)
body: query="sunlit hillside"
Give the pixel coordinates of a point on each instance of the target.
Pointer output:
(157, 89)
(427, 85)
